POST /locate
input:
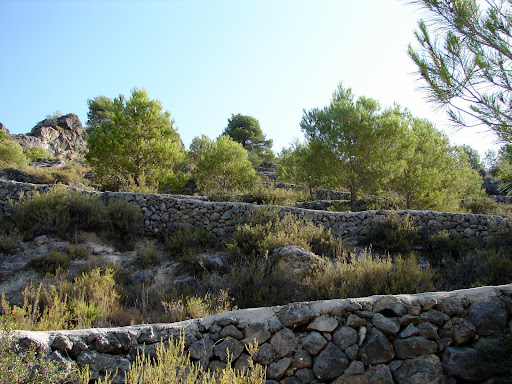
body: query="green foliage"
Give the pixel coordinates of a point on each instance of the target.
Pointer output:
(473, 157)
(486, 206)
(11, 153)
(246, 131)
(364, 275)
(435, 176)
(147, 255)
(270, 195)
(60, 212)
(477, 268)
(187, 241)
(193, 307)
(30, 365)
(496, 354)
(264, 231)
(360, 145)
(466, 67)
(90, 300)
(301, 164)
(254, 283)
(63, 212)
(136, 139)
(198, 147)
(36, 153)
(171, 365)
(224, 168)
(442, 246)
(68, 174)
(9, 242)
(387, 200)
(394, 234)
(55, 259)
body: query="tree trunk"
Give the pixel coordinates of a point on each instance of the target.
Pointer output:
(353, 200)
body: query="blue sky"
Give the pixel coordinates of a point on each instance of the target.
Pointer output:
(205, 60)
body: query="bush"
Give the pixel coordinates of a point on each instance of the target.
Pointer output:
(60, 212)
(31, 366)
(394, 234)
(265, 231)
(90, 300)
(9, 242)
(270, 195)
(254, 283)
(67, 174)
(173, 365)
(442, 246)
(56, 259)
(36, 153)
(64, 212)
(193, 307)
(365, 275)
(388, 200)
(11, 153)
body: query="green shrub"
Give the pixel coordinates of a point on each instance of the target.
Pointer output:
(70, 173)
(11, 152)
(442, 245)
(90, 300)
(270, 195)
(9, 242)
(57, 259)
(265, 231)
(147, 255)
(60, 212)
(173, 365)
(36, 153)
(394, 234)
(387, 200)
(192, 307)
(30, 366)
(187, 241)
(254, 283)
(365, 275)
(64, 212)
(122, 222)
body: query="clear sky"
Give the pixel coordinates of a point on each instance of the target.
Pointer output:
(205, 60)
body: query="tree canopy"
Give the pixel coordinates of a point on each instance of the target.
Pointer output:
(466, 62)
(224, 168)
(134, 143)
(357, 140)
(246, 130)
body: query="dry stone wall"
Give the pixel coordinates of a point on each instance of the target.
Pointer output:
(422, 338)
(220, 218)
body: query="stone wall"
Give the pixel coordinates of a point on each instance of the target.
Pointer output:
(220, 218)
(422, 338)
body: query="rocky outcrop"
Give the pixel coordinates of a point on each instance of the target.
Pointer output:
(4, 128)
(423, 338)
(62, 138)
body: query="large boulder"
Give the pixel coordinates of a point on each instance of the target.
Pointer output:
(63, 138)
(295, 261)
(4, 128)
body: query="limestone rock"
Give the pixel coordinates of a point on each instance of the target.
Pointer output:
(463, 330)
(421, 370)
(294, 261)
(63, 138)
(276, 370)
(376, 349)
(414, 347)
(314, 343)
(295, 314)
(284, 342)
(234, 347)
(344, 337)
(258, 332)
(488, 315)
(465, 364)
(390, 305)
(386, 325)
(301, 360)
(323, 324)
(265, 354)
(330, 363)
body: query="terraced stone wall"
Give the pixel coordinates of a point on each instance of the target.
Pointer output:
(220, 218)
(423, 338)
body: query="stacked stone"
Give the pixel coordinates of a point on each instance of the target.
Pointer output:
(425, 338)
(220, 218)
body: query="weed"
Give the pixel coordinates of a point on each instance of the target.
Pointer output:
(270, 195)
(9, 242)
